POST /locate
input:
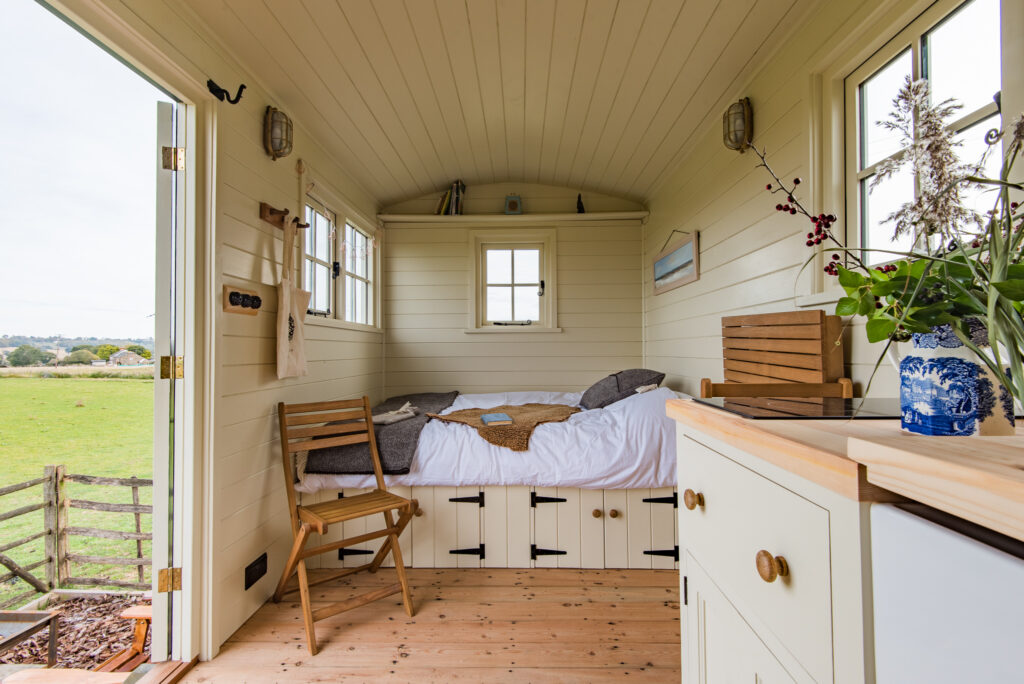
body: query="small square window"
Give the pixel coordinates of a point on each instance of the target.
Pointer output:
(514, 277)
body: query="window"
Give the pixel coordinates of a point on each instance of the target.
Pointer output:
(513, 284)
(956, 47)
(339, 267)
(319, 258)
(357, 284)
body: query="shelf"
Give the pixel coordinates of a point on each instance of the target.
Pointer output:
(514, 218)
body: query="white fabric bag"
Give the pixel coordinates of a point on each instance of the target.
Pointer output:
(291, 313)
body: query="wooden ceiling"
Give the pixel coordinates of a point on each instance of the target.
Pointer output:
(600, 95)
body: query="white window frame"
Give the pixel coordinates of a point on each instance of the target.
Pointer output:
(343, 275)
(307, 284)
(311, 186)
(911, 39)
(536, 238)
(868, 31)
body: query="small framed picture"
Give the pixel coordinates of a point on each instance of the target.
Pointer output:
(678, 264)
(513, 204)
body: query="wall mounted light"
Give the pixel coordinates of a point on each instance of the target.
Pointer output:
(738, 125)
(277, 133)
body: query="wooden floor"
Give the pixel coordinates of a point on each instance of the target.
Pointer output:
(470, 626)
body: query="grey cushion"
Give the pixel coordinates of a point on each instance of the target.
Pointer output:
(618, 386)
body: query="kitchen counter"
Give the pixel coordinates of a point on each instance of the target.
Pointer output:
(980, 479)
(813, 449)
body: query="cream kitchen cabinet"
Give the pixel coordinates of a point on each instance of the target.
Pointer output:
(775, 548)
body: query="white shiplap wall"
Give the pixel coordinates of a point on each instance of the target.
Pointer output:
(751, 256)
(427, 272)
(249, 509)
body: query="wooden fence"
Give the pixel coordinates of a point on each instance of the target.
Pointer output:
(57, 562)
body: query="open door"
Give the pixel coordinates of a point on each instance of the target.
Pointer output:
(169, 386)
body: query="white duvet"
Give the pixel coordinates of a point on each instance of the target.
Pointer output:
(627, 445)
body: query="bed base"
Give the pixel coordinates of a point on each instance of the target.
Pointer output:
(523, 527)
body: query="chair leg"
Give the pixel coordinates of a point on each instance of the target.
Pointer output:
(293, 559)
(307, 608)
(396, 551)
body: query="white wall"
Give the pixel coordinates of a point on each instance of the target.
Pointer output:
(751, 255)
(249, 509)
(427, 272)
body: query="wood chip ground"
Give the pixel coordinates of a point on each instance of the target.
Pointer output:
(90, 632)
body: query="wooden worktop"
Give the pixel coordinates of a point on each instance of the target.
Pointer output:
(813, 449)
(980, 479)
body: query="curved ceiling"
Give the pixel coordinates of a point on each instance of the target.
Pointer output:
(593, 94)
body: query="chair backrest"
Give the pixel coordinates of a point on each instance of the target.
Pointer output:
(790, 347)
(325, 424)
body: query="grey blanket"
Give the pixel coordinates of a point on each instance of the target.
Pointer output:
(396, 443)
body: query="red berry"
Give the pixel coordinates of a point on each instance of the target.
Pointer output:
(796, 181)
(778, 207)
(830, 218)
(835, 257)
(810, 243)
(792, 211)
(768, 187)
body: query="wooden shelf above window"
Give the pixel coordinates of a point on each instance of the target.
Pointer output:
(514, 218)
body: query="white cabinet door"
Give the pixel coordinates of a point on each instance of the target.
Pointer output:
(720, 646)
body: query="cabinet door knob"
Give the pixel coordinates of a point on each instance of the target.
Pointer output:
(692, 499)
(419, 512)
(596, 513)
(613, 513)
(770, 567)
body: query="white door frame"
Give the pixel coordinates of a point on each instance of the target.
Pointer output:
(147, 51)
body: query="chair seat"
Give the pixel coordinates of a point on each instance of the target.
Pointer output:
(320, 515)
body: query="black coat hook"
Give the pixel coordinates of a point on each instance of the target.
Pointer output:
(222, 94)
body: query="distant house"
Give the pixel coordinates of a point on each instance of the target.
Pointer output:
(125, 358)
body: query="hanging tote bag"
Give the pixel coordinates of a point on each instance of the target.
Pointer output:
(291, 314)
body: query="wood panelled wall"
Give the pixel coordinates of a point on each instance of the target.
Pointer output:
(427, 271)
(249, 507)
(750, 255)
(342, 363)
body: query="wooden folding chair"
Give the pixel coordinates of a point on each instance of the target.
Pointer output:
(328, 424)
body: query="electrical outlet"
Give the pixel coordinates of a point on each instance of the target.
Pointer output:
(237, 300)
(255, 570)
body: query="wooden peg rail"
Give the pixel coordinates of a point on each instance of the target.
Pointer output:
(276, 217)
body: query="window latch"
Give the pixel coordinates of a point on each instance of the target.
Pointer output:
(336, 269)
(540, 290)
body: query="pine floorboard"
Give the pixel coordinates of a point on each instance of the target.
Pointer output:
(487, 625)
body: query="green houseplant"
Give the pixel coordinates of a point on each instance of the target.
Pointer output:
(965, 270)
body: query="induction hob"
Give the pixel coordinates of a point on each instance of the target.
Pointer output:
(807, 407)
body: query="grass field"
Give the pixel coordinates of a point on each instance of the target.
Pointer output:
(93, 426)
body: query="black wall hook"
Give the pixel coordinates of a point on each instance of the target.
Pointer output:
(222, 94)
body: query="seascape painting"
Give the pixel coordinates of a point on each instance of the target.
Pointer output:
(677, 265)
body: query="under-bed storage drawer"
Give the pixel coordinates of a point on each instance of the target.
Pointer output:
(738, 513)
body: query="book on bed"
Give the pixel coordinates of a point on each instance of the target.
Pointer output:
(492, 419)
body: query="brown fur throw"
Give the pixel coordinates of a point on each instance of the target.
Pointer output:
(524, 417)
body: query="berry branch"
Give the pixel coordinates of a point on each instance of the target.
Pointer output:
(822, 222)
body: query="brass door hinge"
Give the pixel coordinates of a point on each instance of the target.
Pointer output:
(165, 367)
(173, 158)
(168, 579)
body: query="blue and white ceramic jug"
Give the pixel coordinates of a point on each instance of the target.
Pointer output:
(945, 390)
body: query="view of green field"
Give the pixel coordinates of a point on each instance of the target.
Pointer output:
(93, 426)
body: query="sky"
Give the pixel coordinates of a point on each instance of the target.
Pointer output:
(77, 183)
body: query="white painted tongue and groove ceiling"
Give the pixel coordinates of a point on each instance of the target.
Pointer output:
(600, 95)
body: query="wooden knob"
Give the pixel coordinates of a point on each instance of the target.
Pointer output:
(419, 512)
(596, 513)
(692, 499)
(770, 567)
(613, 513)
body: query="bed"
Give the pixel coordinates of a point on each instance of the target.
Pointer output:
(597, 490)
